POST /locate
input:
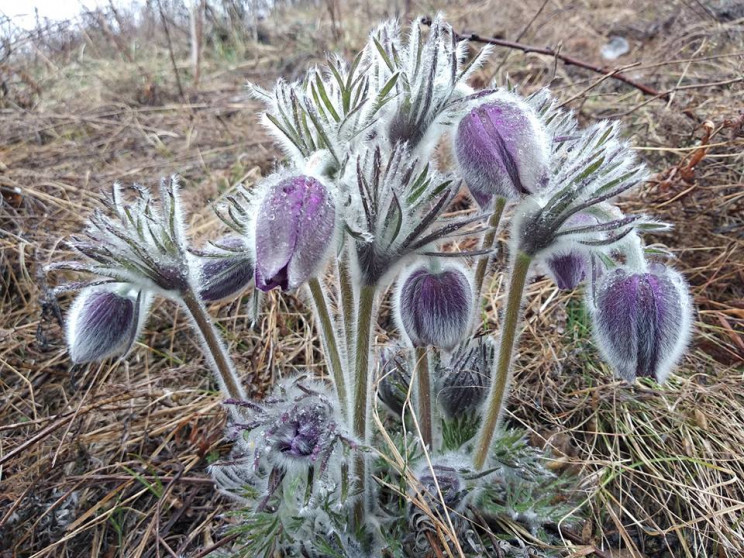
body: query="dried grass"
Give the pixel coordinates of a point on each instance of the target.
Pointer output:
(109, 460)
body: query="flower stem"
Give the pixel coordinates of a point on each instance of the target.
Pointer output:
(424, 395)
(347, 305)
(214, 348)
(329, 338)
(500, 382)
(487, 244)
(361, 389)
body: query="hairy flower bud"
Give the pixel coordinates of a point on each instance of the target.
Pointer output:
(439, 482)
(294, 230)
(394, 379)
(465, 380)
(226, 269)
(642, 321)
(435, 307)
(295, 428)
(568, 266)
(502, 150)
(104, 321)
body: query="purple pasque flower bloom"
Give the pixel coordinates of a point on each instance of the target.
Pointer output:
(642, 321)
(435, 306)
(105, 320)
(502, 149)
(226, 269)
(295, 227)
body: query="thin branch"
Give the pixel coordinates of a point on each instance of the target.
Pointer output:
(568, 60)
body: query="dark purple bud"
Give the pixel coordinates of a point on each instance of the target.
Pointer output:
(642, 321)
(103, 322)
(439, 484)
(502, 150)
(225, 272)
(435, 307)
(464, 382)
(568, 270)
(569, 266)
(394, 379)
(294, 230)
(450, 482)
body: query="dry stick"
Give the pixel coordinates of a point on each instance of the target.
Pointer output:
(170, 51)
(568, 60)
(424, 395)
(500, 383)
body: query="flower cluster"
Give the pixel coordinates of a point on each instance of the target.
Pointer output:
(361, 208)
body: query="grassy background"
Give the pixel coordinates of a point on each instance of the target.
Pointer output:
(109, 460)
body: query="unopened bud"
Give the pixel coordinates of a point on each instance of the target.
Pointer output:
(394, 379)
(465, 380)
(502, 150)
(435, 307)
(294, 231)
(642, 321)
(227, 272)
(103, 322)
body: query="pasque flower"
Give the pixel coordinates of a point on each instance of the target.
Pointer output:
(502, 150)
(226, 269)
(105, 320)
(434, 306)
(295, 227)
(568, 266)
(642, 321)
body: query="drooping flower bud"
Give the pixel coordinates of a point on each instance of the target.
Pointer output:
(294, 230)
(104, 321)
(226, 269)
(502, 150)
(394, 379)
(434, 307)
(569, 265)
(465, 380)
(642, 321)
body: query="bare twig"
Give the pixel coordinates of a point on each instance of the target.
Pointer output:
(170, 51)
(568, 60)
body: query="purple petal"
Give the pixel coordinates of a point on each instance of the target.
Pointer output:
(294, 230)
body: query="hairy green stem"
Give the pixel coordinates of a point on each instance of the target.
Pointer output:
(424, 395)
(499, 385)
(361, 389)
(487, 244)
(215, 349)
(347, 305)
(329, 339)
